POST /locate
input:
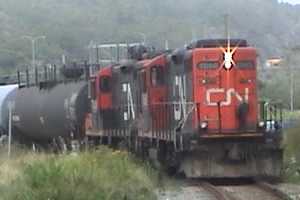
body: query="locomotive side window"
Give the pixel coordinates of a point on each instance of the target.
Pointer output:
(105, 83)
(245, 64)
(208, 65)
(157, 76)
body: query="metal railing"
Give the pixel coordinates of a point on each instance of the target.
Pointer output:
(271, 111)
(161, 120)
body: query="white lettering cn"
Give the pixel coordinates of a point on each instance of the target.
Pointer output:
(228, 96)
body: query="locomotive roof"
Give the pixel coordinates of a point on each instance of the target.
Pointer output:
(212, 43)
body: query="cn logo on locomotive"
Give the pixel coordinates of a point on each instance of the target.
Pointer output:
(228, 96)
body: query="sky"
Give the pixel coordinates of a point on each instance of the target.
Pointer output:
(291, 1)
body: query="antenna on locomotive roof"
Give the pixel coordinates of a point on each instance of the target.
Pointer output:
(166, 45)
(227, 33)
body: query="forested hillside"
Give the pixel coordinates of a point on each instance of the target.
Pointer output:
(70, 25)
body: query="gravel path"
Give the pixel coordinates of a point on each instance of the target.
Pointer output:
(245, 192)
(186, 193)
(291, 189)
(249, 192)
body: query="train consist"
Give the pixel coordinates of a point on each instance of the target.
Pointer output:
(194, 109)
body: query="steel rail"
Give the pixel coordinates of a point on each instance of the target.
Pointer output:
(216, 192)
(272, 190)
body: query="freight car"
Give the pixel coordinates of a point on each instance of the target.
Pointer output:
(7, 94)
(43, 114)
(195, 109)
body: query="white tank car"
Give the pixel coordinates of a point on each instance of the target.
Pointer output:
(7, 93)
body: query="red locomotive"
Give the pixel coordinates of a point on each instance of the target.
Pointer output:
(194, 109)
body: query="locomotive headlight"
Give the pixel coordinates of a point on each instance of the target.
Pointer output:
(204, 125)
(228, 60)
(261, 124)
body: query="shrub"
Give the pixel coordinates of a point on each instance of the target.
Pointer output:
(100, 174)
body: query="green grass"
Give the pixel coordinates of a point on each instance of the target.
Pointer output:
(100, 174)
(288, 115)
(292, 155)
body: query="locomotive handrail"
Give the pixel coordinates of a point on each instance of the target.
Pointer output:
(183, 120)
(271, 116)
(269, 111)
(172, 103)
(182, 123)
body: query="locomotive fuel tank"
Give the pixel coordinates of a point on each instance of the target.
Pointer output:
(47, 113)
(7, 93)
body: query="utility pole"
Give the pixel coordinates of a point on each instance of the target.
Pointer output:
(166, 45)
(293, 54)
(33, 41)
(144, 36)
(10, 108)
(291, 90)
(227, 26)
(91, 52)
(194, 35)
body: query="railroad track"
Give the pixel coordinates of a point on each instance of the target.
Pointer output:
(258, 190)
(217, 192)
(272, 190)
(205, 190)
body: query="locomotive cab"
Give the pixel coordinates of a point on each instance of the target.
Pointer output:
(101, 113)
(153, 94)
(113, 101)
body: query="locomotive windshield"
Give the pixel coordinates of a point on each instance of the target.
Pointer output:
(245, 64)
(208, 65)
(105, 84)
(157, 76)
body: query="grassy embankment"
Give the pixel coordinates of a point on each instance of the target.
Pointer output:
(101, 174)
(292, 149)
